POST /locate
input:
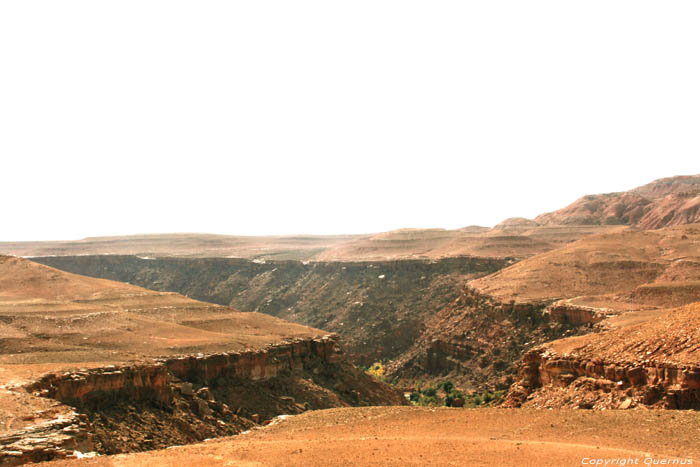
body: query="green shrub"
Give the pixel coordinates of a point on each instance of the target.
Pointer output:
(428, 400)
(447, 387)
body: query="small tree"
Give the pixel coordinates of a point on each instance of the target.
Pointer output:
(447, 387)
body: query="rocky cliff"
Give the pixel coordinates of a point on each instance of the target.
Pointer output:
(571, 382)
(178, 400)
(653, 361)
(478, 339)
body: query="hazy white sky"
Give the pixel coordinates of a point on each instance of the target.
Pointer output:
(323, 116)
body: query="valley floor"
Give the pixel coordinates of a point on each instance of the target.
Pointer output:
(441, 436)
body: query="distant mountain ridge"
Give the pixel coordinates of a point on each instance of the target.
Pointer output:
(662, 203)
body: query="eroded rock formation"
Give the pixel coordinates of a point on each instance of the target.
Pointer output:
(651, 361)
(178, 400)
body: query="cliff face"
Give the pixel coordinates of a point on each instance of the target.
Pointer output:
(650, 359)
(378, 308)
(54, 439)
(577, 315)
(477, 340)
(551, 380)
(185, 399)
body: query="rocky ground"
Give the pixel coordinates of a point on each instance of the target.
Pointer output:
(650, 361)
(424, 436)
(623, 270)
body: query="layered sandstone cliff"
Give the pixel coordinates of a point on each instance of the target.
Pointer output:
(655, 363)
(183, 399)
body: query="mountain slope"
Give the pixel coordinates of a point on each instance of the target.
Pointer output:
(661, 203)
(625, 269)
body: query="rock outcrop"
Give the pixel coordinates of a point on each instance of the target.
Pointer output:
(654, 363)
(55, 439)
(183, 399)
(571, 382)
(477, 340)
(578, 315)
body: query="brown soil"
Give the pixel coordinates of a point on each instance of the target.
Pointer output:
(665, 335)
(519, 240)
(424, 436)
(642, 268)
(51, 316)
(662, 203)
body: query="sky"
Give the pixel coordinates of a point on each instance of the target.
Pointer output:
(329, 117)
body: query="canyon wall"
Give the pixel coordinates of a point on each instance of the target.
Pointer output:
(189, 398)
(551, 380)
(477, 340)
(378, 308)
(422, 318)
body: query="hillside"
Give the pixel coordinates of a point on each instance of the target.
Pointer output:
(378, 308)
(90, 364)
(626, 269)
(510, 239)
(571, 290)
(661, 203)
(81, 319)
(644, 359)
(420, 317)
(299, 247)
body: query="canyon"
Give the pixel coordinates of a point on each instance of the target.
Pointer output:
(124, 344)
(91, 365)
(465, 318)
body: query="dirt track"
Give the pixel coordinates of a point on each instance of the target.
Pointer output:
(423, 436)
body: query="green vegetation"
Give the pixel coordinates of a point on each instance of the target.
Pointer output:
(447, 394)
(378, 371)
(485, 399)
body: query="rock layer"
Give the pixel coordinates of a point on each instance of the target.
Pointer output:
(566, 381)
(644, 359)
(183, 399)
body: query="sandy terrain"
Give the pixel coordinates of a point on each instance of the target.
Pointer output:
(299, 247)
(423, 436)
(626, 269)
(518, 239)
(664, 335)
